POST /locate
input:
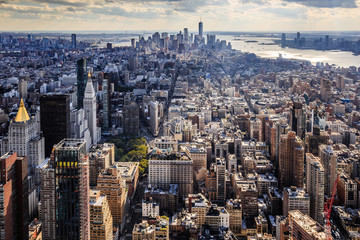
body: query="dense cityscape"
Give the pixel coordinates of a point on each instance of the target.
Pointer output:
(176, 136)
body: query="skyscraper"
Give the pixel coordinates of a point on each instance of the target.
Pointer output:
(90, 110)
(201, 30)
(14, 197)
(220, 180)
(73, 41)
(154, 117)
(298, 120)
(81, 81)
(101, 222)
(48, 213)
(70, 189)
(298, 40)
(131, 119)
(25, 137)
(186, 35)
(55, 119)
(325, 89)
(329, 162)
(315, 186)
(283, 40)
(106, 91)
(23, 85)
(291, 160)
(111, 184)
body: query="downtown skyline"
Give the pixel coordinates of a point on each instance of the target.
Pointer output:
(217, 15)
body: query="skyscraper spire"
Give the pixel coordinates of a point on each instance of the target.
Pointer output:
(90, 108)
(89, 90)
(22, 115)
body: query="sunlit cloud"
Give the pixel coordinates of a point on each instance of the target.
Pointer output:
(217, 15)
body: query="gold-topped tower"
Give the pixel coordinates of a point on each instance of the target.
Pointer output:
(22, 115)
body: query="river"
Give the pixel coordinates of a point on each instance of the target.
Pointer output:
(262, 49)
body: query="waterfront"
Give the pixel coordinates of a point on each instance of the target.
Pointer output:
(263, 48)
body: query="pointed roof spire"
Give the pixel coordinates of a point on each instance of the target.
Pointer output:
(22, 115)
(89, 89)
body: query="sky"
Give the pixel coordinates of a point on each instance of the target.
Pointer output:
(174, 15)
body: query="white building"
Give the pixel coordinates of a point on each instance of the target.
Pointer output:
(217, 217)
(90, 111)
(315, 187)
(79, 126)
(154, 117)
(25, 137)
(150, 209)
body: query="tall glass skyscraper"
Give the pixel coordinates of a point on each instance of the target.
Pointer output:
(55, 119)
(81, 81)
(73, 41)
(201, 29)
(72, 189)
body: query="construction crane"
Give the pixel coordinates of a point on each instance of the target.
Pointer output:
(327, 208)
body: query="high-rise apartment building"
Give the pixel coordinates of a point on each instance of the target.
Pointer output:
(314, 139)
(14, 197)
(325, 89)
(111, 184)
(220, 180)
(101, 222)
(329, 162)
(298, 119)
(23, 87)
(131, 119)
(171, 168)
(154, 117)
(55, 119)
(48, 198)
(291, 160)
(315, 176)
(70, 188)
(101, 156)
(106, 91)
(81, 70)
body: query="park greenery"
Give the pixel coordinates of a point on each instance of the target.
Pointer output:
(131, 149)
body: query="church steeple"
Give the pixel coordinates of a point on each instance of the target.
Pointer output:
(22, 115)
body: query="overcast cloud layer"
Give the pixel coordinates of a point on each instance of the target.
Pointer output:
(217, 15)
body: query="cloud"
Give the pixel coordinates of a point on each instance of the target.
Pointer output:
(255, 2)
(63, 2)
(122, 12)
(193, 6)
(292, 13)
(326, 3)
